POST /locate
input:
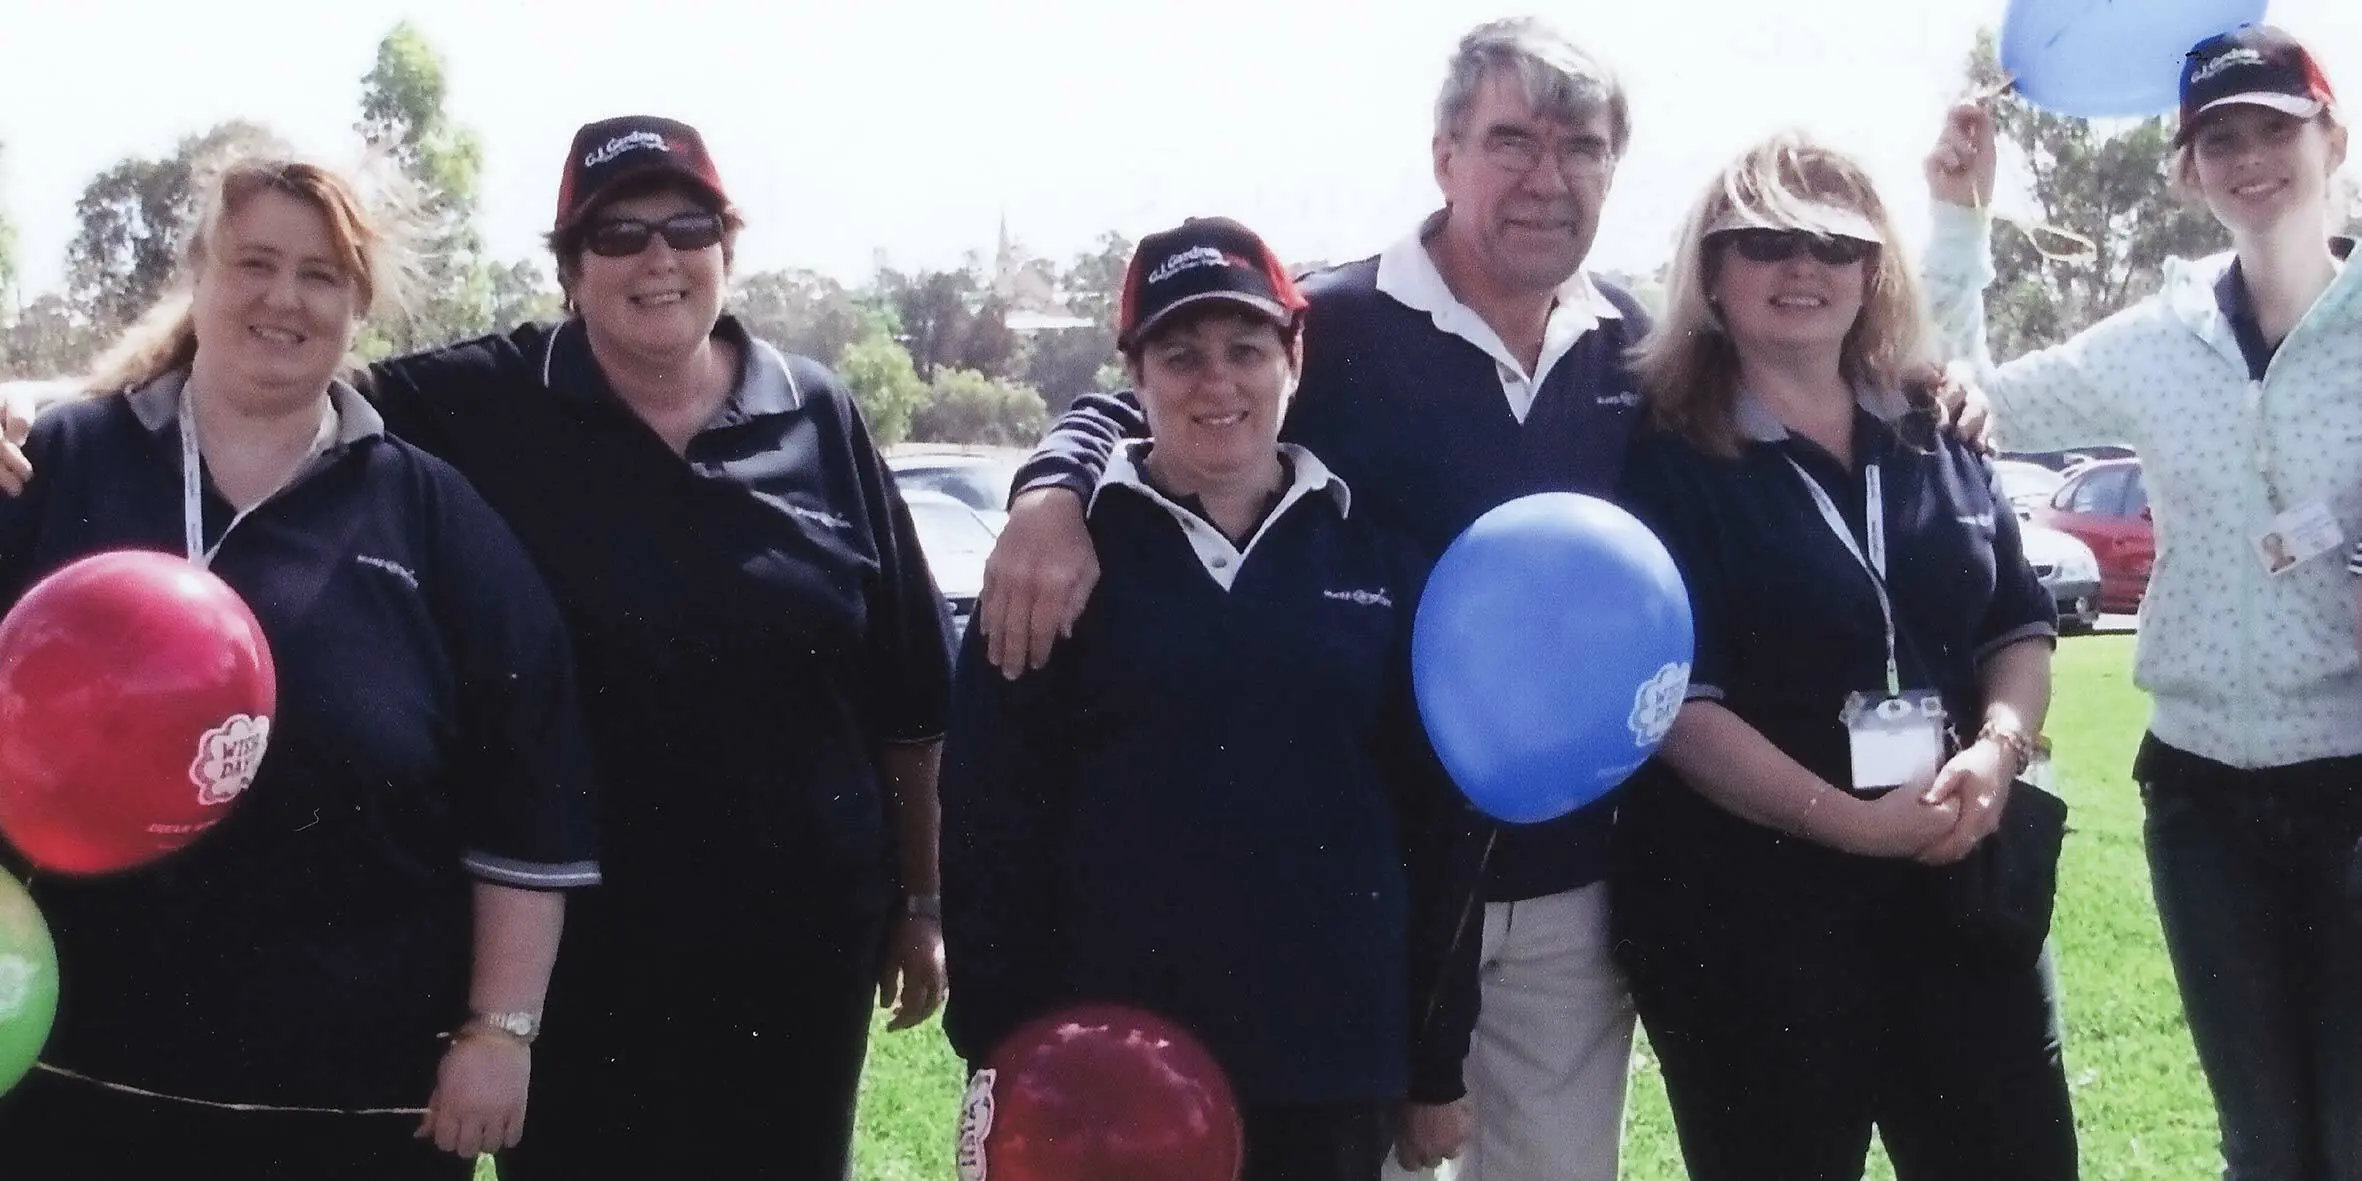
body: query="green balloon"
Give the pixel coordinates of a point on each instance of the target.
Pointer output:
(28, 982)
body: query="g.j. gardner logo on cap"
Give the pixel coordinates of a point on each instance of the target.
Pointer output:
(625, 143)
(227, 757)
(2241, 56)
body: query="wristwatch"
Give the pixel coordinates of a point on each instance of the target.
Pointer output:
(522, 1027)
(924, 906)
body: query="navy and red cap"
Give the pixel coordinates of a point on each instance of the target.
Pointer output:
(1203, 258)
(2254, 65)
(610, 151)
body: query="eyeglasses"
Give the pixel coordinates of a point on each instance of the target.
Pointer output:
(1515, 152)
(623, 237)
(1757, 244)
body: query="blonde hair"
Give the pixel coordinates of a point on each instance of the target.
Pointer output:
(164, 339)
(1688, 365)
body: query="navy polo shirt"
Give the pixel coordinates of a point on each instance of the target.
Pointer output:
(1788, 622)
(310, 946)
(2237, 303)
(754, 619)
(1413, 417)
(1215, 802)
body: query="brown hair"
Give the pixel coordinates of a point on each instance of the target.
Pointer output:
(164, 340)
(1689, 367)
(566, 243)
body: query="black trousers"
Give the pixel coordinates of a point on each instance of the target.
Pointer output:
(695, 1058)
(54, 1129)
(1316, 1141)
(1797, 997)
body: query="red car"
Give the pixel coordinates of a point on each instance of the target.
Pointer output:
(2103, 505)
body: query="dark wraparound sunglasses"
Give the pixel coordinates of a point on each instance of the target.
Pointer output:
(623, 237)
(1764, 245)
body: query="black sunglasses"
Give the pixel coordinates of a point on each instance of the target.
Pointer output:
(623, 237)
(1757, 244)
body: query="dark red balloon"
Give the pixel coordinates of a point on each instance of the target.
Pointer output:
(1101, 1093)
(136, 694)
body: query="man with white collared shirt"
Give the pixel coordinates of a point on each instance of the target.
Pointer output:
(1470, 364)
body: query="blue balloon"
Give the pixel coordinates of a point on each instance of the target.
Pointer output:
(2100, 59)
(1550, 653)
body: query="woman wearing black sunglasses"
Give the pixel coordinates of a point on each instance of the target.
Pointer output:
(766, 666)
(1873, 663)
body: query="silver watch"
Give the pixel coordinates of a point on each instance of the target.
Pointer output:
(522, 1026)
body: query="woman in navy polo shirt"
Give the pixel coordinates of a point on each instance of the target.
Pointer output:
(272, 1001)
(1873, 663)
(1216, 802)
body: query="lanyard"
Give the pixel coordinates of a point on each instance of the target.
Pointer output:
(192, 491)
(1874, 562)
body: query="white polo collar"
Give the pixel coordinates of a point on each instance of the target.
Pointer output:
(1407, 274)
(1221, 559)
(1758, 424)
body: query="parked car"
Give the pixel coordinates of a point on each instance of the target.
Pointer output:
(2069, 570)
(2104, 505)
(978, 479)
(2069, 458)
(956, 539)
(2027, 486)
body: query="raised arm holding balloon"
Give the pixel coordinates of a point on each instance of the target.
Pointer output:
(2240, 384)
(1872, 664)
(390, 806)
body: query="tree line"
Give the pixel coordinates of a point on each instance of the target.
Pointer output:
(981, 353)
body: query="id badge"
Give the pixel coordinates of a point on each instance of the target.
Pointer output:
(1896, 740)
(2298, 536)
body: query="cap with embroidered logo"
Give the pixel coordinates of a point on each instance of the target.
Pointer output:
(1203, 258)
(2254, 65)
(611, 151)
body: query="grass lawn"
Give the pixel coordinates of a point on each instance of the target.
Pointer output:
(2140, 1104)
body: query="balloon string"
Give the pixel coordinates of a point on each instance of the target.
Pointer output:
(1460, 928)
(2078, 249)
(120, 1088)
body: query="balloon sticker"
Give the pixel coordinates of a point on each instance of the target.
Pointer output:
(227, 757)
(975, 1125)
(1657, 702)
(16, 985)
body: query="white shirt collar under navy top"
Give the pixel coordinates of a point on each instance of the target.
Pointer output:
(1215, 552)
(349, 418)
(1407, 273)
(1758, 424)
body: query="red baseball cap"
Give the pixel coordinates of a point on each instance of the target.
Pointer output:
(610, 151)
(1203, 258)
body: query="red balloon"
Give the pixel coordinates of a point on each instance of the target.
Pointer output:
(136, 694)
(1100, 1093)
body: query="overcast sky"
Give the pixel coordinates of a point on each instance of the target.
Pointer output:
(911, 129)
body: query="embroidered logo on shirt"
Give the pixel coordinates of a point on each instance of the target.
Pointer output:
(1658, 700)
(817, 517)
(975, 1124)
(1983, 522)
(227, 757)
(1366, 598)
(16, 985)
(1627, 398)
(396, 569)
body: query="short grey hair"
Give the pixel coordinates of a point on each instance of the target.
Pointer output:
(1559, 79)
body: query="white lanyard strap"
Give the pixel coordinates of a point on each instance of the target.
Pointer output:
(1874, 562)
(192, 482)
